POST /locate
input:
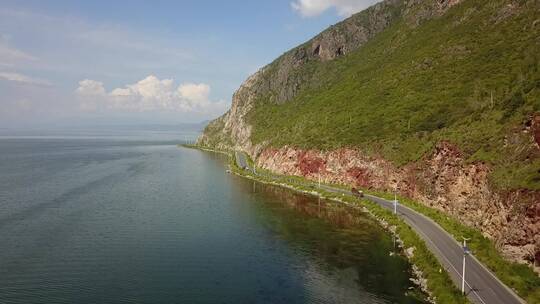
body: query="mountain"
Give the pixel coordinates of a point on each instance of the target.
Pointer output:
(439, 99)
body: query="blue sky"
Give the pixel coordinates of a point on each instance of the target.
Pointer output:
(70, 62)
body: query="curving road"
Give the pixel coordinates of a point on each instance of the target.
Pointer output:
(241, 160)
(481, 286)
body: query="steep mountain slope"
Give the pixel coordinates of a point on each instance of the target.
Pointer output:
(440, 99)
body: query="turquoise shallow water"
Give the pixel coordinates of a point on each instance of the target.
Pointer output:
(124, 220)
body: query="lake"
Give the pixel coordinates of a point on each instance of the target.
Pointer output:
(136, 219)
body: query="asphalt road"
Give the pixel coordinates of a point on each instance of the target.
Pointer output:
(241, 160)
(481, 286)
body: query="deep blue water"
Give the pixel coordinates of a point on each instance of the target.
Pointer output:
(105, 219)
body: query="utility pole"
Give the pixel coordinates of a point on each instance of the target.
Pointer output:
(466, 251)
(395, 200)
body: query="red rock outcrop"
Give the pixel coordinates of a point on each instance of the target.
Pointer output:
(441, 180)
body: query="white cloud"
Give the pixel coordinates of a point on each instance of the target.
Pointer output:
(10, 56)
(8, 53)
(194, 92)
(119, 92)
(345, 8)
(149, 94)
(91, 94)
(23, 79)
(90, 87)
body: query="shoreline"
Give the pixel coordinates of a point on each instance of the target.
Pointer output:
(432, 281)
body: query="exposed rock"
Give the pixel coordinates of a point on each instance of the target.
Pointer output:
(308, 164)
(418, 11)
(441, 180)
(423, 283)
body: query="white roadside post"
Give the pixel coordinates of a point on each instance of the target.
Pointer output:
(466, 251)
(319, 178)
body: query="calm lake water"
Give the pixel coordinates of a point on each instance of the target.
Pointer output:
(138, 220)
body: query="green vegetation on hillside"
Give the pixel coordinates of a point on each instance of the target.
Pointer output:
(471, 77)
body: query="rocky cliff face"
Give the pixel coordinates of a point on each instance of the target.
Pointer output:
(280, 81)
(442, 179)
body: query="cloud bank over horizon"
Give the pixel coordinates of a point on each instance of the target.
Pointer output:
(344, 8)
(149, 94)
